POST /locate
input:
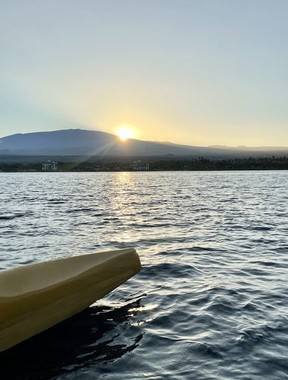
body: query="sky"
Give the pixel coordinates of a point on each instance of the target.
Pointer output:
(194, 72)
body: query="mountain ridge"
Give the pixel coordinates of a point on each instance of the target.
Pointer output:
(91, 142)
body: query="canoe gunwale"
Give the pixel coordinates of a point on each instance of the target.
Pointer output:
(30, 313)
(7, 277)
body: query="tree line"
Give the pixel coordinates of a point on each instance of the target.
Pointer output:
(173, 164)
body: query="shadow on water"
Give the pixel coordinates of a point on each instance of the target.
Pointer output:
(91, 337)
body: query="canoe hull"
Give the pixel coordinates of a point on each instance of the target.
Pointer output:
(23, 315)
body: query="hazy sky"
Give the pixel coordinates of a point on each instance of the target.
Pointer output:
(197, 72)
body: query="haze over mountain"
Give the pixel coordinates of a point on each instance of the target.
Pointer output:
(95, 143)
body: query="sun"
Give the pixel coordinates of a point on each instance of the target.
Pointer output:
(124, 132)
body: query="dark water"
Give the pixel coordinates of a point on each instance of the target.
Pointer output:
(211, 301)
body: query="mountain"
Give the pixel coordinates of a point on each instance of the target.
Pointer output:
(252, 149)
(87, 142)
(95, 143)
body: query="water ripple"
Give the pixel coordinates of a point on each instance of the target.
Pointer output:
(211, 299)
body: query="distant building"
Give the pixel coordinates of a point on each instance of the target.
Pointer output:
(140, 166)
(49, 166)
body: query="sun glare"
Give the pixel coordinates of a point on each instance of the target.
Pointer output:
(124, 132)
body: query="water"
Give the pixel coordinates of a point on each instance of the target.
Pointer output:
(211, 301)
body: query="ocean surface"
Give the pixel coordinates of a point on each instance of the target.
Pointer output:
(211, 301)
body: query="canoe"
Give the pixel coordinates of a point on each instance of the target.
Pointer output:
(38, 296)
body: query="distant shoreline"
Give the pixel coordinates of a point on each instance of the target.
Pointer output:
(143, 164)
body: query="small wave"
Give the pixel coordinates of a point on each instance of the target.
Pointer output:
(221, 305)
(201, 248)
(80, 210)
(206, 351)
(57, 201)
(260, 228)
(15, 215)
(173, 270)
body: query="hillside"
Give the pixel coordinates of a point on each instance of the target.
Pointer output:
(79, 142)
